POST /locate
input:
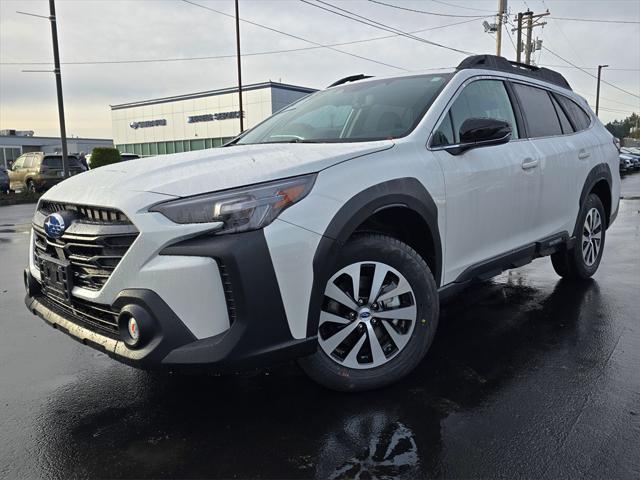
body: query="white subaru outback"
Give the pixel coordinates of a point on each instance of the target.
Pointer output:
(331, 231)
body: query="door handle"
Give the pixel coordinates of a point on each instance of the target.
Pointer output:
(529, 163)
(583, 155)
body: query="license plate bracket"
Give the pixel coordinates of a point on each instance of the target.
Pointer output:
(57, 277)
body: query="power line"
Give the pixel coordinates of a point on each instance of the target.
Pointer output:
(295, 36)
(591, 74)
(596, 20)
(250, 54)
(463, 7)
(595, 68)
(414, 10)
(381, 26)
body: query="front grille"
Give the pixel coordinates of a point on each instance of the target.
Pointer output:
(97, 318)
(86, 213)
(93, 247)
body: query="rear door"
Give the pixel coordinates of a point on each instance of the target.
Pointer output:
(490, 197)
(550, 133)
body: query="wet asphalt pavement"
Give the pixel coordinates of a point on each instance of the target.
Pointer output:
(529, 376)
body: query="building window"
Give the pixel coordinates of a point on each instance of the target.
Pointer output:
(153, 148)
(197, 145)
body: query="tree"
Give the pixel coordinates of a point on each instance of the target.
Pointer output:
(101, 156)
(622, 128)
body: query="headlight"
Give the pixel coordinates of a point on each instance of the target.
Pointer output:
(242, 209)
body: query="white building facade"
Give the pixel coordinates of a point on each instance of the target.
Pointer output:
(196, 121)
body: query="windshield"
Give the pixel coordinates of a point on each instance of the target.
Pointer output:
(372, 110)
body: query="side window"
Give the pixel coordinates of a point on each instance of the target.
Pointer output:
(539, 112)
(443, 135)
(19, 163)
(577, 115)
(483, 99)
(52, 162)
(564, 120)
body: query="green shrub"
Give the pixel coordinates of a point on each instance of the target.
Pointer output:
(101, 156)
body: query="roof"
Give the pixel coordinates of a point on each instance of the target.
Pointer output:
(211, 93)
(45, 141)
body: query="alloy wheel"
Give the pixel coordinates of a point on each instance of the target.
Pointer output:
(368, 315)
(591, 237)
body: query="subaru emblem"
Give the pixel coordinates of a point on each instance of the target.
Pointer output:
(54, 225)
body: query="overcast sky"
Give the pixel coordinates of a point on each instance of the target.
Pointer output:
(115, 30)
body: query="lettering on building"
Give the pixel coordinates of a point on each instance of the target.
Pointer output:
(148, 123)
(210, 117)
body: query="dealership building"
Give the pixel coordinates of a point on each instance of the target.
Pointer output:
(14, 143)
(196, 121)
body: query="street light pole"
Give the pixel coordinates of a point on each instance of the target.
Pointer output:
(600, 67)
(56, 60)
(239, 67)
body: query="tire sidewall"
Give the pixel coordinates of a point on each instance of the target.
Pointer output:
(380, 248)
(584, 270)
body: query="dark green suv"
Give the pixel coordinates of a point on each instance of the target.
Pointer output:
(38, 171)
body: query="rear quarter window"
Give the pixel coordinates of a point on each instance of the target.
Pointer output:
(579, 118)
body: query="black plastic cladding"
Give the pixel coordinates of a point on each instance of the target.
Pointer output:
(493, 62)
(408, 192)
(260, 330)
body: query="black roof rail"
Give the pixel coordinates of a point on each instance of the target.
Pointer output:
(493, 62)
(351, 78)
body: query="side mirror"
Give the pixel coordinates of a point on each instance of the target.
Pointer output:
(481, 132)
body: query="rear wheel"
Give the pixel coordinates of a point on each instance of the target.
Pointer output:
(583, 260)
(378, 318)
(31, 186)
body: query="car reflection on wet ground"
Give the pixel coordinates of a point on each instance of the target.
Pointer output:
(529, 376)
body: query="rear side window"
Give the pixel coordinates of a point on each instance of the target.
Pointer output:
(29, 161)
(539, 113)
(479, 99)
(55, 161)
(577, 115)
(564, 120)
(52, 162)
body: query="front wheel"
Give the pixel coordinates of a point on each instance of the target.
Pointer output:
(582, 261)
(378, 317)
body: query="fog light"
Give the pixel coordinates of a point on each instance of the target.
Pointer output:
(134, 333)
(136, 326)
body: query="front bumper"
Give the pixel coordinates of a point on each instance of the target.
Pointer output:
(258, 335)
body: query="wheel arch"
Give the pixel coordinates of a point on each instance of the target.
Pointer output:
(378, 202)
(599, 182)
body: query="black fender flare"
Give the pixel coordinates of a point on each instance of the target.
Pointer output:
(405, 192)
(597, 173)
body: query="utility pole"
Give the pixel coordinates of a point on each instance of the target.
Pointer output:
(501, 11)
(239, 67)
(600, 67)
(56, 71)
(56, 61)
(527, 47)
(519, 47)
(533, 20)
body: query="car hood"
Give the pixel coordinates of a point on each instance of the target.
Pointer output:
(192, 173)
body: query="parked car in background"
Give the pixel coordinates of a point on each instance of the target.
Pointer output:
(633, 154)
(4, 181)
(38, 171)
(124, 156)
(626, 164)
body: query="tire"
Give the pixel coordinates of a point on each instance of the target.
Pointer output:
(407, 288)
(581, 263)
(30, 186)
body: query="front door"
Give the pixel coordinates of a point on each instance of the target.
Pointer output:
(491, 192)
